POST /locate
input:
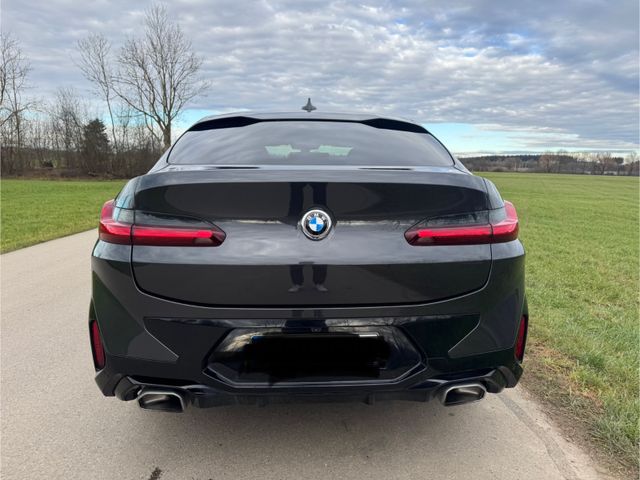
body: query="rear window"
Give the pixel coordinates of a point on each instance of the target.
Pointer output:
(308, 143)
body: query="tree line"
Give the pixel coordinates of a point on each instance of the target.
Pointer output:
(144, 86)
(588, 163)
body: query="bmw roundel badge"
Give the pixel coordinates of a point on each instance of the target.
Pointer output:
(316, 224)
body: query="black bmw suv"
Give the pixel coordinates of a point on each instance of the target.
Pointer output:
(295, 256)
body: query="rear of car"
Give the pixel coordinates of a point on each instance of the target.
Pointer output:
(291, 257)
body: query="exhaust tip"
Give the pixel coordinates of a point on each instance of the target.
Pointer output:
(162, 401)
(462, 393)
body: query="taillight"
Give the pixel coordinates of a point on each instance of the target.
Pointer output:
(177, 236)
(116, 227)
(522, 338)
(506, 229)
(111, 229)
(96, 344)
(475, 228)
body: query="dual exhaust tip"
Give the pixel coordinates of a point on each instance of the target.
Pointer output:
(176, 402)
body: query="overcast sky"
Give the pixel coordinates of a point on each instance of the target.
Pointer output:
(482, 75)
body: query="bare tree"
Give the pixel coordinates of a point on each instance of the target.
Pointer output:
(68, 115)
(547, 162)
(157, 73)
(13, 76)
(603, 161)
(95, 52)
(633, 165)
(14, 69)
(631, 162)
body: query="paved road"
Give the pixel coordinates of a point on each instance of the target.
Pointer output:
(55, 423)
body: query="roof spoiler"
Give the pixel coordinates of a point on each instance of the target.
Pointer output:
(243, 121)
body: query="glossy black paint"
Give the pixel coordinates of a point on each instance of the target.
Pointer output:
(365, 259)
(446, 313)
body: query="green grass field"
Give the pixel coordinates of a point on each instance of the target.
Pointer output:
(582, 239)
(581, 234)
(33, 211)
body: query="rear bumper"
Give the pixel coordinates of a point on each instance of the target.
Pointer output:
(205, 390)
(204, 396)
(154, 342)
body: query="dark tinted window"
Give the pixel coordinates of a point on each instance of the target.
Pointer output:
(308, 143)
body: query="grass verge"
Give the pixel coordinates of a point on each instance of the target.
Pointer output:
(582, 239)
(33, 211)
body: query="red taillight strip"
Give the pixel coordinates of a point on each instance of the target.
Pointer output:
(162, 236)
(97, 348)
(450, 235)
(503, 231)
(113, 231)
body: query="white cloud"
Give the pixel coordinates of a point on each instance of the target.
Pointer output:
(569, 69)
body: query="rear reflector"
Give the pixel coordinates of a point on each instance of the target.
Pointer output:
(522, 338)
(114, 230)
(96, 344)
(500, 231)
